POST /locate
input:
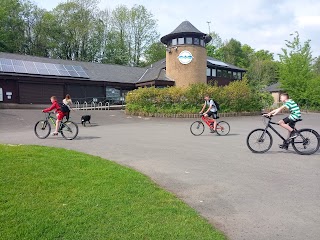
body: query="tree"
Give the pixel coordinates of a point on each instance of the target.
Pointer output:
(316, 66)
(296, 68)
(155, 52)
(232, 52)
(11, 26)
(214, 45)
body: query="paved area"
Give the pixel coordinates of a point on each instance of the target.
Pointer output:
(248, 196)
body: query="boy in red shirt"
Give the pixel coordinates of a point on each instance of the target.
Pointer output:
(60, 114)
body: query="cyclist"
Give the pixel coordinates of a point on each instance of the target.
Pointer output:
(290, 121)
(60, 114)
(211, 112)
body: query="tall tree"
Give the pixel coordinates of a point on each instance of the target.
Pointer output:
(11, 26)
(155, 52)
(296, 68)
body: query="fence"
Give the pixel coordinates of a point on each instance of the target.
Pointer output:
(98, 104)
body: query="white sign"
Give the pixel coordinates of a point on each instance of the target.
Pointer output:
(185, 57)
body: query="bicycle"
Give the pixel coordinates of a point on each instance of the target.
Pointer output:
(260, 140)
(68, 129)
(197, 127)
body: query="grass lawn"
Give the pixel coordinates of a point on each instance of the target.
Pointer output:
(51, 193)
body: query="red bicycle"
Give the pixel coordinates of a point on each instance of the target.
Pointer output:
(197, 128)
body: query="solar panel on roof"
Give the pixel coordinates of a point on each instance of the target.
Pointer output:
(19, 66)
(50, 66)
(60, 67)
(54, 72)
(17, 63)
(7, 68)
(43, 71)
(20, 69)
(64, 73)
(4, 61)
(219, 63)
(73, 73)
(40, 65)
(83, 74)
(69, 67)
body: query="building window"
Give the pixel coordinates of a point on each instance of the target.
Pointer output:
(169, 43)
(174, 42)
(113, 94)
(235, 75)
(229, 74)
(239, 76)
(196, 41)
(224, 73)
(202, 42)
(214, 72)
(219, 73)
(189, 40)
(180, 41)
(208, 72)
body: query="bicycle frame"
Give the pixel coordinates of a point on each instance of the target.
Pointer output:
(269, 125)
(207, 120)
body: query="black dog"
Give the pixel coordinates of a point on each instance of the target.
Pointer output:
(84, 119)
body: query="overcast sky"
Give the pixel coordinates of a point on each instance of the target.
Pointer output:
(262, 24)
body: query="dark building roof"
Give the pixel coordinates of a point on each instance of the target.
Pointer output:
(217, 63)
(185, 29)
(156, 71)
(118, 73)
(96, 71)
(274, 88)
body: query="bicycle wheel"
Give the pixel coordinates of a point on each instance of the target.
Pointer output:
(307, 143)
(197, 128)
(69, 130)
(259, 141)
(223, 128)
(42, 129)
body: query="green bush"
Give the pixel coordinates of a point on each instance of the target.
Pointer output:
(236, 97)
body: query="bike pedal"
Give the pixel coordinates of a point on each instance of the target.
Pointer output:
(284, 146)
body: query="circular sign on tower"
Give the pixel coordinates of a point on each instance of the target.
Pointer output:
(185, 57)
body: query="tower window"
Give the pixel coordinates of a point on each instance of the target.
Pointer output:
(189, 40)
(180, 41)
(196, 41)
(202, 42)
(174, 42)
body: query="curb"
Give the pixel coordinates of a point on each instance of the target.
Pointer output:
(168, 115)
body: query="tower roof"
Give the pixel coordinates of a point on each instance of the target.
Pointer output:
(185, 29)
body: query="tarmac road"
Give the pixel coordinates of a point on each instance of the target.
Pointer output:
(275, 195)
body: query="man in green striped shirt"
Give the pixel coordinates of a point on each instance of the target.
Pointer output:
(290, 121)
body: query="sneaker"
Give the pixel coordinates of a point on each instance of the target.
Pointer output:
(54, 134)
(212, 131)
(293, 135)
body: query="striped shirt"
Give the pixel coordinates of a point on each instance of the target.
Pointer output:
(294, 109)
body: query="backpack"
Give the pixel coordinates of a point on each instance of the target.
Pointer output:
(64, 108)
(215, 103)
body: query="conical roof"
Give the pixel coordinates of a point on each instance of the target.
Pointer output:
(185, 29)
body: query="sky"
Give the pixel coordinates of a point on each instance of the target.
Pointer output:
(262, 24)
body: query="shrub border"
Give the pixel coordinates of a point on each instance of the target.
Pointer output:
(186, 115)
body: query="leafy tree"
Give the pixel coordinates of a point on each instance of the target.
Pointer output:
(296, 68)
(11, 26)
(316, 66)
(155, 52)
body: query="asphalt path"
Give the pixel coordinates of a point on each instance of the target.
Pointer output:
(275, 195)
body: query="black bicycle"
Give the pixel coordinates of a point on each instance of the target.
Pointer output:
(68, 129)
(260, 140)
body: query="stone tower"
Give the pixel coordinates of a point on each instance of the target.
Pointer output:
(186, 57)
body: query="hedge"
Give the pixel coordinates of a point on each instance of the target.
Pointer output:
(235, 97)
